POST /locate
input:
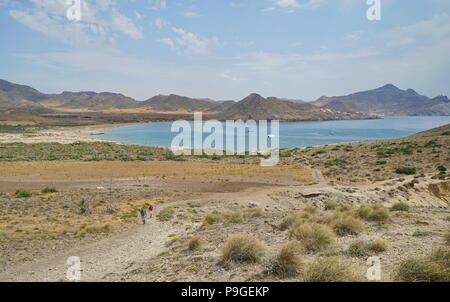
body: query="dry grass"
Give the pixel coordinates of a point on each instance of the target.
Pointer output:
(447, 237)
(287, 262)
(243, 248)
(314, 237)
(344, 225)
(195, 243)
(361, 248)
(293, 219)
(375, 213)
(330, 269)
(434, 268)
(400, 207)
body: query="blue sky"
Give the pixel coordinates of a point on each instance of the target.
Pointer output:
(223, 49)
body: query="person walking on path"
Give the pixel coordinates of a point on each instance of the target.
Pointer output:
(143, 213)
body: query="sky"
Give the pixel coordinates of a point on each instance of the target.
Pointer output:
(226, 49)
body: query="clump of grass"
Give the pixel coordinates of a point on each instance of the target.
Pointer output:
(344, 208)
(377, 246)
(329, 269)
(310, 210)
(314, 237)
(84, 207)
(330, 205)
(400, 207)
(166, 214)
(99, 229)
(253, 213)
(357, 249)
(434, 268)
(233, 217)
(447, 237)
(195, 243)
(287, 262)
(375, 213)
(230, 217)
(419, 233)
(213, 218)
(361, 248)
(293, 219)
(243, 248)
(346, 225)
(49, 190)
(22, 194)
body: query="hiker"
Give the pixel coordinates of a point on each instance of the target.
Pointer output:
(143, 215)
(150, 210)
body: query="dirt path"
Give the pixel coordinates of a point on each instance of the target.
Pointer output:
(117, 253)
(113, 254)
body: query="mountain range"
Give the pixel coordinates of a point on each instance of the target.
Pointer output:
(386, 100)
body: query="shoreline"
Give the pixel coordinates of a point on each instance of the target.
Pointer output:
(92, 133)
(62, 135)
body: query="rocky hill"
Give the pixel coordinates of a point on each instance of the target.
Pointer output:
(256, 107)
(387, 100)
(172, 103)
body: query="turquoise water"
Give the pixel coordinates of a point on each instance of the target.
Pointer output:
(298, 134)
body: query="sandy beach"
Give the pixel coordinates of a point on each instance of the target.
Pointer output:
(62, 135)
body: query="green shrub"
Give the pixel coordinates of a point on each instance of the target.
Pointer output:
(362, 249)
(84, 207)
(49, 190)
(243, 248)
(166, 214)
(329, 269)
(287, 263)
(22, 194)
(400, 206)
(313, 236)
(406, 171)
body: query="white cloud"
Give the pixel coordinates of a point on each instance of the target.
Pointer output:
(292, 5)
(100, 22)
(190, 42)
(429, 31)
(190, 14)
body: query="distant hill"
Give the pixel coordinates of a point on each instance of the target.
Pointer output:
(387, 100)
(171, 103)
(20, 97)
(91, 100)
(222, 106)
(255, 107)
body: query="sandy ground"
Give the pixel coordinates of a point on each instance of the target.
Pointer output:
(63, 135)
(135, 254)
